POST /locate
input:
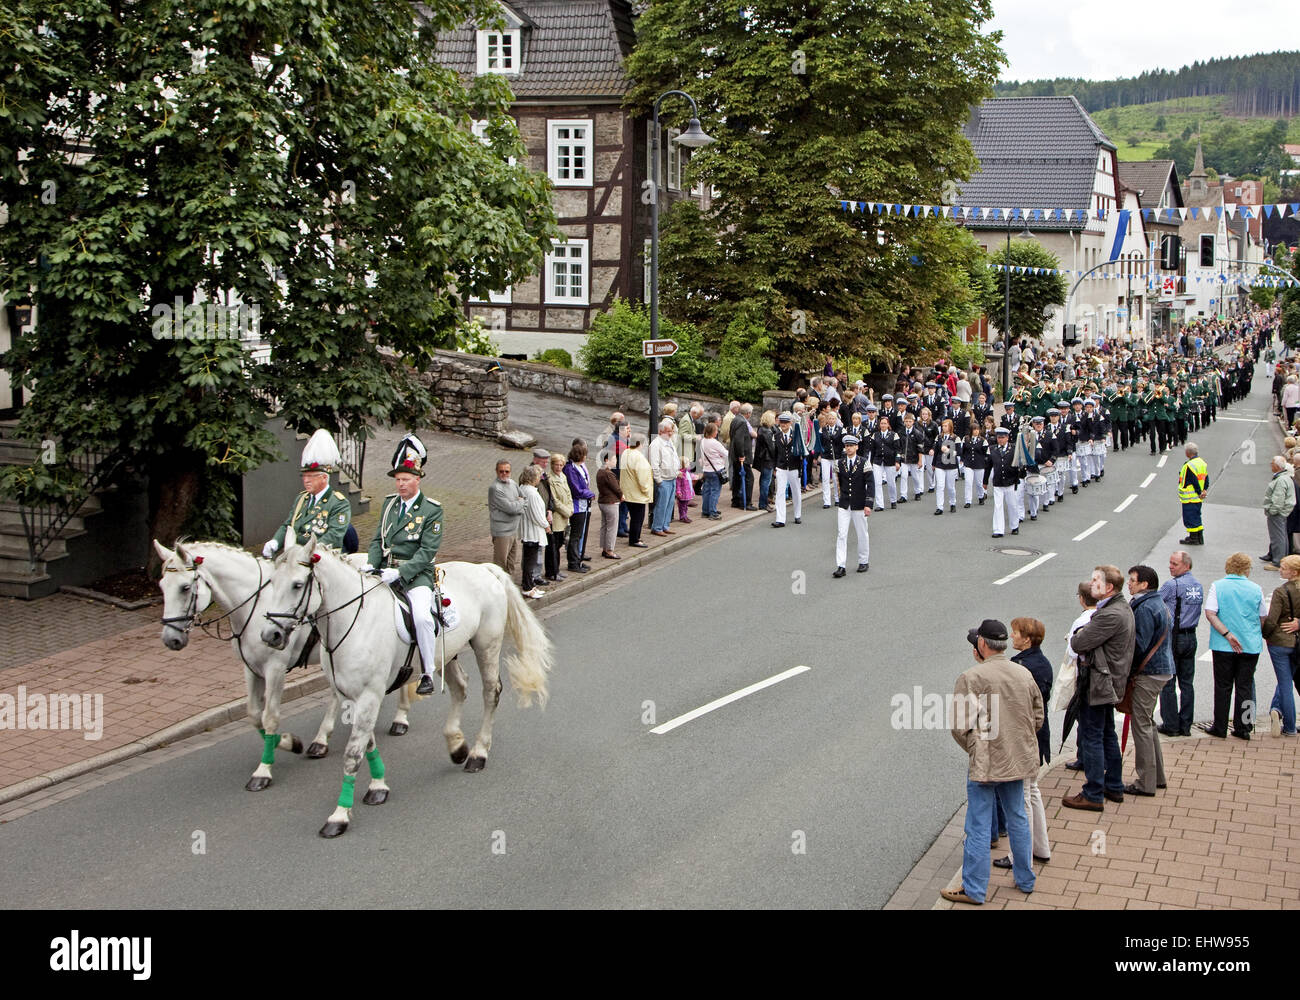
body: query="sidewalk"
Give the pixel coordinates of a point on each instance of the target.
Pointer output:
(1224, 834)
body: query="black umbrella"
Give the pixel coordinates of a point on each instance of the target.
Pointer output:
(1071, 714)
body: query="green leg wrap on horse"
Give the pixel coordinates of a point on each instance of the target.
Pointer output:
(269, 742)
(376, 764)
(345, 796)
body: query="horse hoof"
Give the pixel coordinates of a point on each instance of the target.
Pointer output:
(398, 729)
(376, 797)
(296, 746)
(332, 829)
(475, 764)
(459, 754)
(317, 750)
(257, 783)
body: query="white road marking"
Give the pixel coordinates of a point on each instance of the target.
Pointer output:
(1163, 459)
(1131, 498)
(1084, 534)
(1024, 569)
(1244, 420)
(681, 720)
(1207, 656)
(1148, 481)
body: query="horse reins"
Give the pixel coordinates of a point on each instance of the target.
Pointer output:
(299, 615)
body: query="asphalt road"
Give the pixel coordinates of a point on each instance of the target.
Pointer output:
(803, 794)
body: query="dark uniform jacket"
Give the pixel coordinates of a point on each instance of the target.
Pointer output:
(975, 452)
(408, 542)
(857, 483)
(914, 444)
(885, 448)
(1003, 472)
(785, 450)
(832, 439)
(947, 452)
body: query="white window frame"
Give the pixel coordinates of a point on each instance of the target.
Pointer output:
(569, 254)
(508, 61)
(675, 159)
(554, 142)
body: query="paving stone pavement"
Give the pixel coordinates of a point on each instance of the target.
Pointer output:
(30, 630)
(1225, 834)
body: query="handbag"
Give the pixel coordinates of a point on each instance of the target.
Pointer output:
(1125, 704)
(723, 477)
(1064, 688)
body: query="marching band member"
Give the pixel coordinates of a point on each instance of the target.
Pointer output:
(945, 455)
(975, 460)
(885, 448)
(857, 487)
(913, 448)
(1005, 476)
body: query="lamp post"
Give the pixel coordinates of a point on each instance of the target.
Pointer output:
(693, 138)
(1006, 332)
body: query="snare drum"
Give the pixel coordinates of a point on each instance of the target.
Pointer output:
(1036, 486)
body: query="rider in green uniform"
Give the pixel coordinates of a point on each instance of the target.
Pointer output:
(317, 511)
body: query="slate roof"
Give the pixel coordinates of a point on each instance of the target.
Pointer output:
(574, 49)
(1150, 178)
(1034, 152)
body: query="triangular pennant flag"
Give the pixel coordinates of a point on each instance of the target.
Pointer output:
(1218, 211)
(1280, 209)
(1228, 210)
(1182, 214)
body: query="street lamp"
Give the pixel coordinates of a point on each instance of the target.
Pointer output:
(693, 138)
(1006, 332)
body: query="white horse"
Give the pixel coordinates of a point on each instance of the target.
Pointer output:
(198, 573)
(355, 616)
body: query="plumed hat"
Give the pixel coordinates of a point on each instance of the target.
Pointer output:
(409, 457)
(321, 454)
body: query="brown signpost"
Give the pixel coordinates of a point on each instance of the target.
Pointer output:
(658, 348)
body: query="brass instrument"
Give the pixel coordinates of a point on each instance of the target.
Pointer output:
(1026, 378)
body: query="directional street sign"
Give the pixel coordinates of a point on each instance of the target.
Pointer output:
(658, 348)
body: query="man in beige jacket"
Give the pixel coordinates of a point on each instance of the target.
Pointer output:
(996, 714)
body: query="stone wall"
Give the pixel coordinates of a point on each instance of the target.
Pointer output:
(573, 385)
(472, 400)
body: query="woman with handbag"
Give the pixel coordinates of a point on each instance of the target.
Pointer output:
(713, 463)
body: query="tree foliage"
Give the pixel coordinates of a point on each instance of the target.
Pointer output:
(1032, 295)
(310, 157)
(810, 103)
(1258, 85)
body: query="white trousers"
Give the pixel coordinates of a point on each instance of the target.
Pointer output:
(974, 479)
(1004, 508)
(885, 474)
(945, 482)
(859, 519)
(784, 478)
(1037, 818)
(422, 611)
(1020, 500)
(829, 480)
(914, 474)
(1031, 502)
(927, 463)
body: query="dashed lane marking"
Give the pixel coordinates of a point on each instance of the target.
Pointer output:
(681, 720)
(1148, 481)
(1024, 569)
(1163, 459)
(1131, 498)
(1084, 534)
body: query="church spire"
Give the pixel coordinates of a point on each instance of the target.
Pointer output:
(1198, 169)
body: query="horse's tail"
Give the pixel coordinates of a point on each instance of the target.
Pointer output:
(529, 665)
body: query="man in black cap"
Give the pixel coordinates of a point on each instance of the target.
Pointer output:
(997, 712)
(857, 491)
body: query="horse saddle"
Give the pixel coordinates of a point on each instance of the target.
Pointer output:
(404, 622)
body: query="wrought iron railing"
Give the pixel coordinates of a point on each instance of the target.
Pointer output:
(352, 450)
(44, 522)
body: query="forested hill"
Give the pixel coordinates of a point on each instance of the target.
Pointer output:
(1265, 86)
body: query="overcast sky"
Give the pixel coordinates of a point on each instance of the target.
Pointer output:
(1104, 39)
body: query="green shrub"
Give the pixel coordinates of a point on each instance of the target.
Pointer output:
(612, 352)
(965, 356)
(556, 356)
(742, 369)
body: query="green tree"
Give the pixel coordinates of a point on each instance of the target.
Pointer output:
(1159, 123)
(310, 158)
(1290, 327)
(1032, 294)
(809, 104)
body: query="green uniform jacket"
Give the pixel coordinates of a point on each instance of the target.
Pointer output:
(411, 541)
(328, 521)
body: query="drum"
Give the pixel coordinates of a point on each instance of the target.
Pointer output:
(1052, 477)
(1036, 486)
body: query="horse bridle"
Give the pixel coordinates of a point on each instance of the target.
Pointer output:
(191, 616)
(300, 616)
